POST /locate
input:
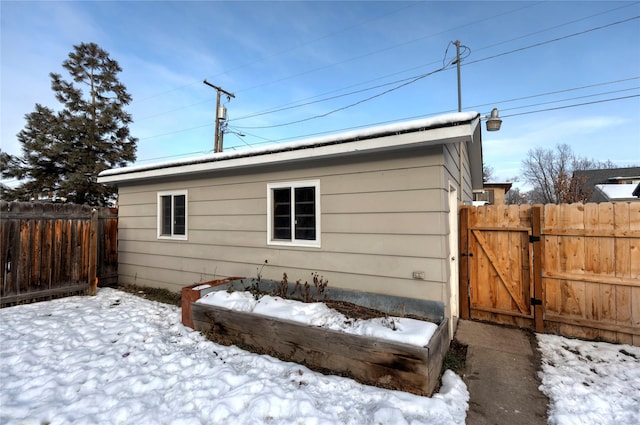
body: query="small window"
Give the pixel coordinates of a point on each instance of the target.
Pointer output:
(294, 213)
(172, 215)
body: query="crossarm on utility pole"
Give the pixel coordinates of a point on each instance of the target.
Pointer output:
(217, 142)
(219, 89)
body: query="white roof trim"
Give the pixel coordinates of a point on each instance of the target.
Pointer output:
(447, 128)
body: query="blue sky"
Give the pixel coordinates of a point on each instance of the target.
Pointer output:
(520, 57)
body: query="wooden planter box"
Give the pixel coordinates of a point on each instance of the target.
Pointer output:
(193, 293)
(369, 360)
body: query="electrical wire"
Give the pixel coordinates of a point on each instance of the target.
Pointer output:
(301, 137)
(554, 92)
(405, 83)
(556, 26)
(280, 108)
(330, 65)
(298, 105)
(159, 158)
(571, 106)
(571, 98)
(414, 79)
(439, 70)
(175, 132)
(493, 103)
(347, 106)
(262, 59)
(542, 43)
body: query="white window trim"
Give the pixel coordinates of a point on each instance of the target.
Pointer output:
(186, 214)
(293, 242)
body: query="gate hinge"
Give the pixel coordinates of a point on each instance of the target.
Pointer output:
(535, 301)
(534, 238)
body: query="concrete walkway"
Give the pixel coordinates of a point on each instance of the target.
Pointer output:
(501, 375)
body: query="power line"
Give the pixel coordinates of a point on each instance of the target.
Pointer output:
(334, 63)
(277, 53)
(555, 92)
(416, 78)
(350, 105)
(571, 106)
(441, 69)
(173, 156)
(497, 102)
(300, 137)
(556, 26)
(571, 98)
(387, 122)
(375, 52)
(552, 40)
(175, 132)
(278, 108)
(323, 99)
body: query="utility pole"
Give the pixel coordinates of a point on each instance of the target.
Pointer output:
(460, 189)
(457, 43)
(217, 141)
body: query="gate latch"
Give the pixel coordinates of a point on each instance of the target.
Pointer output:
(534, 238)
(535, 301)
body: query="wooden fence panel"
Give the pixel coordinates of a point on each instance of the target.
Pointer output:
(592, 288)
(45, 250)
(634, 259)
(586, 269)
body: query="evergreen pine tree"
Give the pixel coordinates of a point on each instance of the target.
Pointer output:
(63, 152)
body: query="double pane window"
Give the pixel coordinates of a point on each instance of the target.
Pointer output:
(294, 213)
(172, 215)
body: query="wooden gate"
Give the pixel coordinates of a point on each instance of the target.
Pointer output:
(497, 280)
(107, 246)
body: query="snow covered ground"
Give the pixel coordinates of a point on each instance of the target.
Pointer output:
(119, 359)
(590, 382)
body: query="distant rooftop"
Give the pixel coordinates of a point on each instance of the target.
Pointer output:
(604, 178)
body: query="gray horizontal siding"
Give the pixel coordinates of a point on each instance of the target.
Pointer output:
(381, 220)
(191, 256)
(166, 278)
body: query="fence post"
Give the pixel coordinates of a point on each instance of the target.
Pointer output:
(93, 253)
(538, 297)
(463, 274)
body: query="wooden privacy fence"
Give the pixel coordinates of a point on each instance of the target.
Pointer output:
(569, 269)
(51, 250)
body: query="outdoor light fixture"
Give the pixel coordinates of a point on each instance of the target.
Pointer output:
(493, 121)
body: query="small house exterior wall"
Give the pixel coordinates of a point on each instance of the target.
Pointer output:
(386, 201)
(458, 181)
(384, 216)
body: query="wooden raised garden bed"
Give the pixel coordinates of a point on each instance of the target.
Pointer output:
(369, 360)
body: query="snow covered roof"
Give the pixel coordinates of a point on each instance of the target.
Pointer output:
(590, 178)
(617, 192)
(441, 129)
